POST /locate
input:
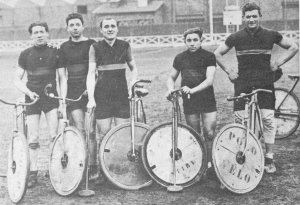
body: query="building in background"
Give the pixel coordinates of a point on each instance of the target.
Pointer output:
(155, 16)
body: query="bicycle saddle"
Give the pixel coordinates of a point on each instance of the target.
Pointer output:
(141, 92)
(293, 76)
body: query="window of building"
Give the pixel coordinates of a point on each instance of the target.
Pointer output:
(82, 9)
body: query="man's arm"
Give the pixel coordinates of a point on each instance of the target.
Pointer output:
(171, 81)
(210, 75)
(90, 80)
(62, 76)
(219, 52)
(292, 49)
(134, 73)
(19, 74)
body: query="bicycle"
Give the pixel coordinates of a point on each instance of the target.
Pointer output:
(68, 153)
(120, 157)
(237, 154)
(287, 110)
(18, 154)
(174, 154)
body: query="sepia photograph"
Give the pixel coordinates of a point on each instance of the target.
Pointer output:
(149, 102)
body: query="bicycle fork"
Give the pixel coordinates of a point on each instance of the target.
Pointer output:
(133, 155)
(175, 154)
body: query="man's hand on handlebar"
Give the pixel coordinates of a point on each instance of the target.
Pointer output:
(91, 104)
(169, 94)
(33, 95)
(186, 90)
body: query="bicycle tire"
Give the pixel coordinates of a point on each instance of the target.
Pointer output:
(66, 176)
(158, 163)
(286, 125)
(234, 174)
(18, 168)
(115, 159)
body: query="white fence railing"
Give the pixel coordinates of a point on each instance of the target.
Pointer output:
(142, 41)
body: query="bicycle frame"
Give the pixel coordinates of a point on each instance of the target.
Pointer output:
(174, 99)
(251, 114)
(64, 116)
(133, 100)
(290, 91)
(13, 175)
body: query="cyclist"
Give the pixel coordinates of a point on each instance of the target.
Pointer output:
(39, 62)
(197, 67)
(110, 95)
(74, 59)
(253, 46)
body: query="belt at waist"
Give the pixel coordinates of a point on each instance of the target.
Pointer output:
(111, 67)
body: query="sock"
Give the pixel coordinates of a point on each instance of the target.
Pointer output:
(269, 155)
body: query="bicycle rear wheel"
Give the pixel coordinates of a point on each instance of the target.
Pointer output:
(18, 168)
(288, 114)
(190, 163)
(239, 174)
(116, 161)
(68, 161)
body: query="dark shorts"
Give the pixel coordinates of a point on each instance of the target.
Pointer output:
(44, 104)
(265, 100)
(119, 109)
(74, 91)
(199, 104)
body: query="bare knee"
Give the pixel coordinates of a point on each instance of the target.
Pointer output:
(208, 134)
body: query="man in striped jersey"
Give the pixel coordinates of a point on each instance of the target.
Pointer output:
(253, 46)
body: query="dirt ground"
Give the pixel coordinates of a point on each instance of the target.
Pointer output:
(280, 188)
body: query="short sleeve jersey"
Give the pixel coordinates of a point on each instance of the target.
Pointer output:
(111, 64)
(40, 64)
(193, 67)
(75, 57)
(253, 52)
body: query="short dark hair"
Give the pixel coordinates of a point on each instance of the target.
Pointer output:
(107, 18)
(250, 7)
(38, 23)
(74, 16)
(196, 30)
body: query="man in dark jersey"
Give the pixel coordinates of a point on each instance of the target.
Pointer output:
(197, 67)
(74, 59)
(39, 62)
(108, 58)
(253, 46)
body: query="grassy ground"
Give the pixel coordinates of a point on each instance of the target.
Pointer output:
(280, 188)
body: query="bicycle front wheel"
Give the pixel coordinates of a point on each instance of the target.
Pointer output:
(117, 162)
(190, 160)
(68, 161)
(287, 113)
(18, 168)
(237, 172)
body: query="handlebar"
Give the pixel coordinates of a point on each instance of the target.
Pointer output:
(51, 95)
(243, 95)
(178, 92)
(20, 103)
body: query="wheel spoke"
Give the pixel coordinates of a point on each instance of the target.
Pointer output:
(228, 149)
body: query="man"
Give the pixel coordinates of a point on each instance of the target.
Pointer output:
(197, 67)
(74, 61)
(108, 58)
(39, 62)
(253, 46)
